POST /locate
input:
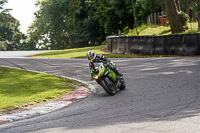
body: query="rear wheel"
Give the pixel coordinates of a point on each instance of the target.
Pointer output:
(108, 86)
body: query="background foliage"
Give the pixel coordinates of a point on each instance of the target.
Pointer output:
(10, 36)
(61, 24)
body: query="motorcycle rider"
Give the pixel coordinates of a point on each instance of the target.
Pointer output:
(92, 57)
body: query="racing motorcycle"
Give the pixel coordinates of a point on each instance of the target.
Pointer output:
(107, 78)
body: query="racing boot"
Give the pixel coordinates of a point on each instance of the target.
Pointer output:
(118, 73)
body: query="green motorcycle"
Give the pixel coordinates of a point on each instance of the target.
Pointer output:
(107, 78)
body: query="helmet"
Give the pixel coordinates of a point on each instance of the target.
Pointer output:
(91, 55)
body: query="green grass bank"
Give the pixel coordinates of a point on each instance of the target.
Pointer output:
(157, 30)
(81, 53)
(21, 90)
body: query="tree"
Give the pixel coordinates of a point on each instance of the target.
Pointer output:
(173, 7)
(2, 10)
(9, 32)
(86, 27)
(186, 7)
(177, 4)
(10, 36)
(63, 24)
(145, 7)
(49, 27)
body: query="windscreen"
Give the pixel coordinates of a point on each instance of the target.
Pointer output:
(97, 65)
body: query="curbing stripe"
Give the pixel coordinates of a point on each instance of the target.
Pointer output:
(4, 121)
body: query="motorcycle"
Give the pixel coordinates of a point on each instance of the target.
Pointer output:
(107, 78)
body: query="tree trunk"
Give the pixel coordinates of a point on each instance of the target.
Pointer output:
(178, 7)
(187, 7)
(151, 18)
(174, 20)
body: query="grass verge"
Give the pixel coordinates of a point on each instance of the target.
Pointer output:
(21, 90)
(81, 53)
(157, 30)
(70, 53)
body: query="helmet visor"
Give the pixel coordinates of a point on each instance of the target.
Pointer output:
(91, 57)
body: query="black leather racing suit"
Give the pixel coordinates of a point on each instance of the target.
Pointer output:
(106, 62)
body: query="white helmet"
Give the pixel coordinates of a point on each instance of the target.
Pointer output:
(91, 55)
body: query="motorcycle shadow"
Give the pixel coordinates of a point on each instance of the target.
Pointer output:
(101, 93)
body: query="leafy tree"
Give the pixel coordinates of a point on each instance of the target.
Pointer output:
(10, 35)
(2, 3)
(145, 7)
(114, 16)
(190, 5)
(9, 31)
(49, 27)
(80, 16)
(61, 24)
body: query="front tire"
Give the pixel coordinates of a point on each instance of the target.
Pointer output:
(107, 85)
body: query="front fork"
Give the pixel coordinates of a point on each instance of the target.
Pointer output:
(118, 83)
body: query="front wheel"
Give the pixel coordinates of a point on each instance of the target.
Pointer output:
(107, 85)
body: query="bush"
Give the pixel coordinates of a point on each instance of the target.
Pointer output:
(184, 19)
(3, 46)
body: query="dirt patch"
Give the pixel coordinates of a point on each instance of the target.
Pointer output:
(11, 110)
(1, 71)
(24, 107)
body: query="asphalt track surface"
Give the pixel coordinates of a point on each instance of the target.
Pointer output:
(162, 96)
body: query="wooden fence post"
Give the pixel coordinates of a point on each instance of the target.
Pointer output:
(158, 18)
(149, 20)
(199, 21)
(162, 14)
(155, 18)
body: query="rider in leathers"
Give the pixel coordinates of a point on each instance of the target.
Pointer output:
(100, 58)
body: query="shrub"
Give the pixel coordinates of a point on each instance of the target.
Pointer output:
(184, 19)
(3, 46)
